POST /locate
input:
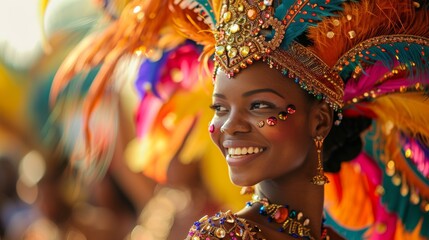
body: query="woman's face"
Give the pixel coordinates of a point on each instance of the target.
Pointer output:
(271, 152)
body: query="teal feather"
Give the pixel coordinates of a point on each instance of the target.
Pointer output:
(408, 54)
(412, 217)
(424, 231)
(310, 13)
(409, 214)
(205, 9)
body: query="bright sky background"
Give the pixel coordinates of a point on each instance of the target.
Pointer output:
(20, 31)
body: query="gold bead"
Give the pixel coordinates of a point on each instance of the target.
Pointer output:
(408, 153)
(240, 7)
(232, 53)
(252, 14)
(352, 34)
(220, 233)
(426, 207)
(234, 28)
(244, 51)
(379, 190)
(336, 22)
(414, 198)
(404, 189)
(330, 34)
(226, 16)
(390, 168)
(396, 180)
(220, 50)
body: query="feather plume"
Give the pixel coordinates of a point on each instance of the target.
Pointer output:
(299, 15)
(365, 20)
(196, 20)
(106, 49)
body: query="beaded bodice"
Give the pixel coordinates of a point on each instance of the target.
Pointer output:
(224, 226)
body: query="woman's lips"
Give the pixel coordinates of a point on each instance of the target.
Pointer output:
(241, 155)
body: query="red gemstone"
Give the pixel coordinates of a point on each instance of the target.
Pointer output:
(281, 214)
(271, 121)
(291, 109)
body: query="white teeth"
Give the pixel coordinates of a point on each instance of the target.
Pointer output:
(230, 151)
(244, 150)
(237, 151)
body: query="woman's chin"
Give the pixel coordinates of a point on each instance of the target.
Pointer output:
(242, 180)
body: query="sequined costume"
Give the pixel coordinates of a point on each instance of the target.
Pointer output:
(379, 50)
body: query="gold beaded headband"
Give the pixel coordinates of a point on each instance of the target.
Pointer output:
(249, 31)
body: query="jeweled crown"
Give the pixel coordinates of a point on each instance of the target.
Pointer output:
(249, 31)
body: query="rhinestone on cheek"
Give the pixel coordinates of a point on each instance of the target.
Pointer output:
(211, 128)
(291, 109)
(282, 115)
(272, 121)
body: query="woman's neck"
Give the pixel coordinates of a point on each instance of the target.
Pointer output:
(300, 194)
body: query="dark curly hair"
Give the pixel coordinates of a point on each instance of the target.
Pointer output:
(344, 142)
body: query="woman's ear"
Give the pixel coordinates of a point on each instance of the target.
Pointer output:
(322, 120)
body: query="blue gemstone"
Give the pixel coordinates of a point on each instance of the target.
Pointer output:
(292, 214)
(284, 72)
(262, 210)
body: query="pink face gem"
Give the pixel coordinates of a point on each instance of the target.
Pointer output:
(291, 109)
(271, 121)
(211, 128)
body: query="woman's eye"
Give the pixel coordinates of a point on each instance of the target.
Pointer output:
(261, 105)
(218, 108)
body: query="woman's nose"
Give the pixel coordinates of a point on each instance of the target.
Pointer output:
(236, 123)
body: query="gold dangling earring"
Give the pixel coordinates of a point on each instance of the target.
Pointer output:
(320, 179)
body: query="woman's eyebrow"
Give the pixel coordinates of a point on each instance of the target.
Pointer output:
(249, 93)
(218, 95)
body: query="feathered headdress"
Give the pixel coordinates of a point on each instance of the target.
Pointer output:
(369, 58)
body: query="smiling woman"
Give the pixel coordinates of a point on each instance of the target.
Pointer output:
(281, 84)
(247, 108)
(300, 88)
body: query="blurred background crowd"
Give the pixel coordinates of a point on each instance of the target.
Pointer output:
(42, 195)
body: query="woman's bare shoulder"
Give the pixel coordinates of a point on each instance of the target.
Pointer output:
(225, 226)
